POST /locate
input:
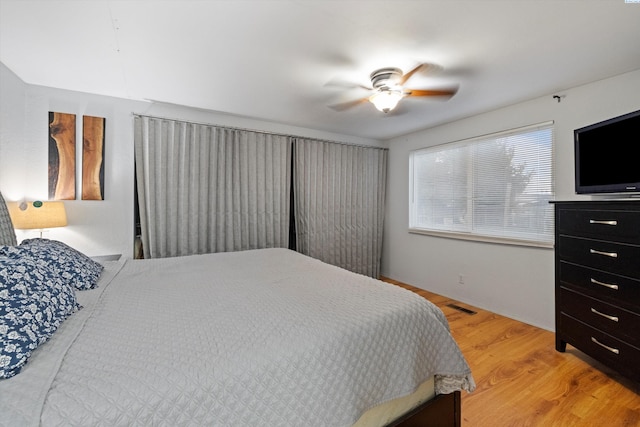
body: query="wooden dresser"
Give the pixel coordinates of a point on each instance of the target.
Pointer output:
(597, 261)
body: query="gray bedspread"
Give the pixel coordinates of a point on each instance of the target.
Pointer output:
(256, 338)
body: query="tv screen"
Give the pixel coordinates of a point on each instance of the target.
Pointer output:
(606, 156)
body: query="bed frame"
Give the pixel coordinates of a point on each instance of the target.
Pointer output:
(441, 411)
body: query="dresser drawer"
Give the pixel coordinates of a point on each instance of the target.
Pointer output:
(618, 290)
(623, 259)
(614, 320)
(601, 346)
(619, 226)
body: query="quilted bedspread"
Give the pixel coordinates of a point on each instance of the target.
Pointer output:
(256, 338)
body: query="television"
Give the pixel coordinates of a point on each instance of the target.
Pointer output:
(606, 156)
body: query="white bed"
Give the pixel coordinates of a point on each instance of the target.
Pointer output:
(265, 337)
(257, 338)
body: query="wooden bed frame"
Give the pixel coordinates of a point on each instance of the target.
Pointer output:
(441, 411)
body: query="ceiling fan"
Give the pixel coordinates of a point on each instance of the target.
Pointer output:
(388, 89)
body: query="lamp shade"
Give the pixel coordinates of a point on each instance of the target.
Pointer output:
(30, 215)
(386, 100)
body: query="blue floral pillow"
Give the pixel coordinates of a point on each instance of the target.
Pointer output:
(72, 265)
(34, 301)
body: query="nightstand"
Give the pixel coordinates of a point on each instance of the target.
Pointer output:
(113, 257)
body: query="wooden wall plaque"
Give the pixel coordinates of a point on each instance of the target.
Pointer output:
(93, 158)
(62, 156)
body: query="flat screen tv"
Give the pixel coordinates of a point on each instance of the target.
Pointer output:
(606, 156)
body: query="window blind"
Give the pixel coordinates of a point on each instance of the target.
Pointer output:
(495, 186)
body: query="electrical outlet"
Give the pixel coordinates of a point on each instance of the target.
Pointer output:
(461, 279)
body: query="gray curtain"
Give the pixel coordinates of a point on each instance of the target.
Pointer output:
(206, 189)
(339, 203)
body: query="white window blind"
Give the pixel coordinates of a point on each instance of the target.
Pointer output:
(495, 187)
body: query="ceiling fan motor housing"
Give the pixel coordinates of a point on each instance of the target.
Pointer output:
(386, 78)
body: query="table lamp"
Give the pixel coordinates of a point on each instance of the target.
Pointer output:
(37, 215)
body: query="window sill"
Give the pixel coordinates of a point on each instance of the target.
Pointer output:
(481, 238)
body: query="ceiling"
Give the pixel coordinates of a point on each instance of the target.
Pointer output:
(283, 60)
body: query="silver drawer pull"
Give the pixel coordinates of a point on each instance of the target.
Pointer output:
(606, 285)
(611, 349)
(609, 254)
(596, 221)
(606, 316)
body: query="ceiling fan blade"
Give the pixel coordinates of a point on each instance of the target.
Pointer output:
(425, 68)
(346, 105)
(431, 92)
(408, 74)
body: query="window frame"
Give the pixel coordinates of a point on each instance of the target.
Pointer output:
(474, 235)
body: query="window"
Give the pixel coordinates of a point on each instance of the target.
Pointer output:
(495, 188)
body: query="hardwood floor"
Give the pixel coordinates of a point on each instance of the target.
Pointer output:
(523, 381)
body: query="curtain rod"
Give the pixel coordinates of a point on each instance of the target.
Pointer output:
(259, 131)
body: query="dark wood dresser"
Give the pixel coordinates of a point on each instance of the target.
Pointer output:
(597, 261)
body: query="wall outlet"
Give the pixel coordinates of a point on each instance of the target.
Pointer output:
(461, 279)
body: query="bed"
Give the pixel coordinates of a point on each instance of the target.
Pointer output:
(264, 337)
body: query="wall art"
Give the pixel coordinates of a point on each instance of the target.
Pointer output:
(93, 158)
(62, 156)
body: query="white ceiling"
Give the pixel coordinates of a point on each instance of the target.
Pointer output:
(272, 60)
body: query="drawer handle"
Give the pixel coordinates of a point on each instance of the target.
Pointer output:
(609, 254)
(596, 221)
(611, 349)
(606, 316)
(606, 285)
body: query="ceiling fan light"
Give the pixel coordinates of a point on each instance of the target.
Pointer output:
(386, 100)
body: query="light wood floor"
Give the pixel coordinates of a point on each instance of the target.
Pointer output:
(523, 381)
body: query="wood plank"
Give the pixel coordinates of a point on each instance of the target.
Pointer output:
(62, 156)
(93, 158)
(523, 381)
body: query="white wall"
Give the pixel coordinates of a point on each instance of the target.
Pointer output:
(515, 281)
(95, 227)
(13, 92)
